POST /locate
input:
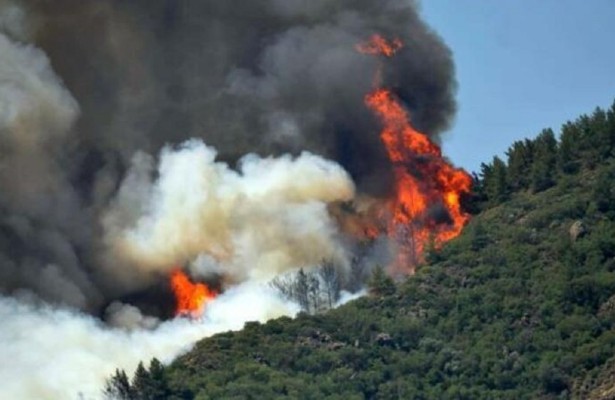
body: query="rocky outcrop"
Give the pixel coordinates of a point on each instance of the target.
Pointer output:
(577, 230)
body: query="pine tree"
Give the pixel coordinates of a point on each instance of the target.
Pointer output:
(568, 153)
(302, 290)
(603, 194)
(118, 387)
(331, 282)
(595, 139)
(519, 164)
(545, 160)
(314, 292)
(583, 126)
(474, 202)
(600, 141)
(496, 185)
(479, 185)
(380, 284)
(141, 383)
(610, 128)
(158, 383)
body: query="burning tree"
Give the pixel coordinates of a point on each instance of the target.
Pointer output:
(191, 298)
(428, 189)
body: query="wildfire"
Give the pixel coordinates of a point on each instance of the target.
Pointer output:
(426, 205)
(190, 298)
(378, 45)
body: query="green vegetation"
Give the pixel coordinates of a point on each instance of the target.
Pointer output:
(520, 306)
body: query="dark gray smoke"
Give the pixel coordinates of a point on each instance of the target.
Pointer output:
(264, 76)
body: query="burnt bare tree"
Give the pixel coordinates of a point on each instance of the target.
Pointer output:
(332, 284)
(295, 288)
(315, 290)
(358, 274)
(284, 284)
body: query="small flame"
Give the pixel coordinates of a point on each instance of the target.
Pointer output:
(191, 298)
(379, 46)
(423, 178)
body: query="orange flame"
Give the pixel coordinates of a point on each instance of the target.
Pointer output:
(379, 46)
(190, 298)
(423, 178)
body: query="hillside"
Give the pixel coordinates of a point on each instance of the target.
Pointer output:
(521, 305)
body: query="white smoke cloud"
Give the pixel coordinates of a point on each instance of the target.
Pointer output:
(267, 217)
(52, 353)
(346, 297)
(38, 204)
(34, 106)
(13, 20)
(120, 315)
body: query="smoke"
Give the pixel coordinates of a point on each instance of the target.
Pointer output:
(266, 77)
(51, 353)
(124, 129)
(41, 222)
(267, 217)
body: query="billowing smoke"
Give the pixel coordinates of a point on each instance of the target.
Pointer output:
(266, 77)
(140, 136)
(42, 220)
(252, 223)
(51, 353)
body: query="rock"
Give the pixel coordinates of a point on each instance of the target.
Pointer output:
(315, 339)
(533, 236)
(321, 337)
(607, 309)
(384, 339)
(577, 230)
(259, 358)
(335, 345)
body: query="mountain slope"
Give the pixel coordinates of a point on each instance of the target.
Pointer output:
(521, 305)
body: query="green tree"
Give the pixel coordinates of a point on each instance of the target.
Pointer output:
(568, 154)
(158, 383)
(142, 384)
(380, 284)
(603, 194)
(594, 142)
(545, 160)
(118, 387)
(475, 201)
(519, 164)
(610, 128)
(600, 141)
(496, 183)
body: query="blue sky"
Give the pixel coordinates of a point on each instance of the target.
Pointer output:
(522, 65)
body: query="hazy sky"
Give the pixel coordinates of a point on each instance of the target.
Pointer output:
(523, 65)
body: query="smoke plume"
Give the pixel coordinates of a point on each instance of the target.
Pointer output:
(52, 353)
(264, 77)
(253, 223)
(141, 136)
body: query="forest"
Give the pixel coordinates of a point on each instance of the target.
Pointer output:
(520, 306)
